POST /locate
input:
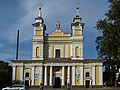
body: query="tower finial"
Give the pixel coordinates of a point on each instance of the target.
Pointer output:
(77, 9)
(40, 12)
(77, 12)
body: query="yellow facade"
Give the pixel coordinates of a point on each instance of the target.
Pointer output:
(57, 59)
(18, 73)
(97, 75)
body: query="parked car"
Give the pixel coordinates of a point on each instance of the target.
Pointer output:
(16, 87)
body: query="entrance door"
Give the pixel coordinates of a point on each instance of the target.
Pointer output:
(87, 83)
(27, 83)
(57, 82)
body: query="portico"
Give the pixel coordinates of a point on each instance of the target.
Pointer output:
(75, 74)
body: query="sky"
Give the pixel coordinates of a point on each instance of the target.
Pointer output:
(20, 15)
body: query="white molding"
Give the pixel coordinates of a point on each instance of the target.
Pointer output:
(73, 75)
(13, 73)
(45, 76)
(33, 78)
(68, 75)
(93, 75)
(100, 76)
(63, 75)
(21, 73)
(51, 74)
(77, 58)
(81, 75)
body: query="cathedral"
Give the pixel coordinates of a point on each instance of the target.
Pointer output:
(57, 58)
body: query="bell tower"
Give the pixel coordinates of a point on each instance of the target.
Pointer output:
(38, 37)
(77, 36)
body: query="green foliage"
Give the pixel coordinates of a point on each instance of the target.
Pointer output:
(5, 74)
(108, 44)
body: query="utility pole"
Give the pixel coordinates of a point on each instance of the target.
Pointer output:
(17, 48)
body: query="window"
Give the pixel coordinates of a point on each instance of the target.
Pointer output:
(37, 52)
(87, 74)
(27, 74)
(77, 54)
(57, 53)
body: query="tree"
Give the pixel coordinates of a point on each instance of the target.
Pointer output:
(108, 43)
(5, 74)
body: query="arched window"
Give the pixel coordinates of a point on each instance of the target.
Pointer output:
(77, 52)
(27, 74)
(87, 74)
(37, 52)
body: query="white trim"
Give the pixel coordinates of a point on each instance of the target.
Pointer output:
(45, 77)
(13, 73)
(33, 78)
(71, 50)
(21, 73)
(73, 75)
(68, 41)
(40, 79)
(93, 75)
(63, 70)
(100, 75)
(75, 58)
(81, 75)
(51, 75)
(68, 75)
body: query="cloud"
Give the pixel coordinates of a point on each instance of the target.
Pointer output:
(53, 10)
(1, 45)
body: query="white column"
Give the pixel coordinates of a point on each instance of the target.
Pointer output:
(73, 75)
(63, 70)
(45, 77)
(100, 75)
(41, 52)
(93, 75)
(81, 75)
(68, 75)
(13, 72)
(50, 54)
(21, 73)
(41, 75)
(81, 50)
(33, 78)
(50, 75)
(71, 50)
